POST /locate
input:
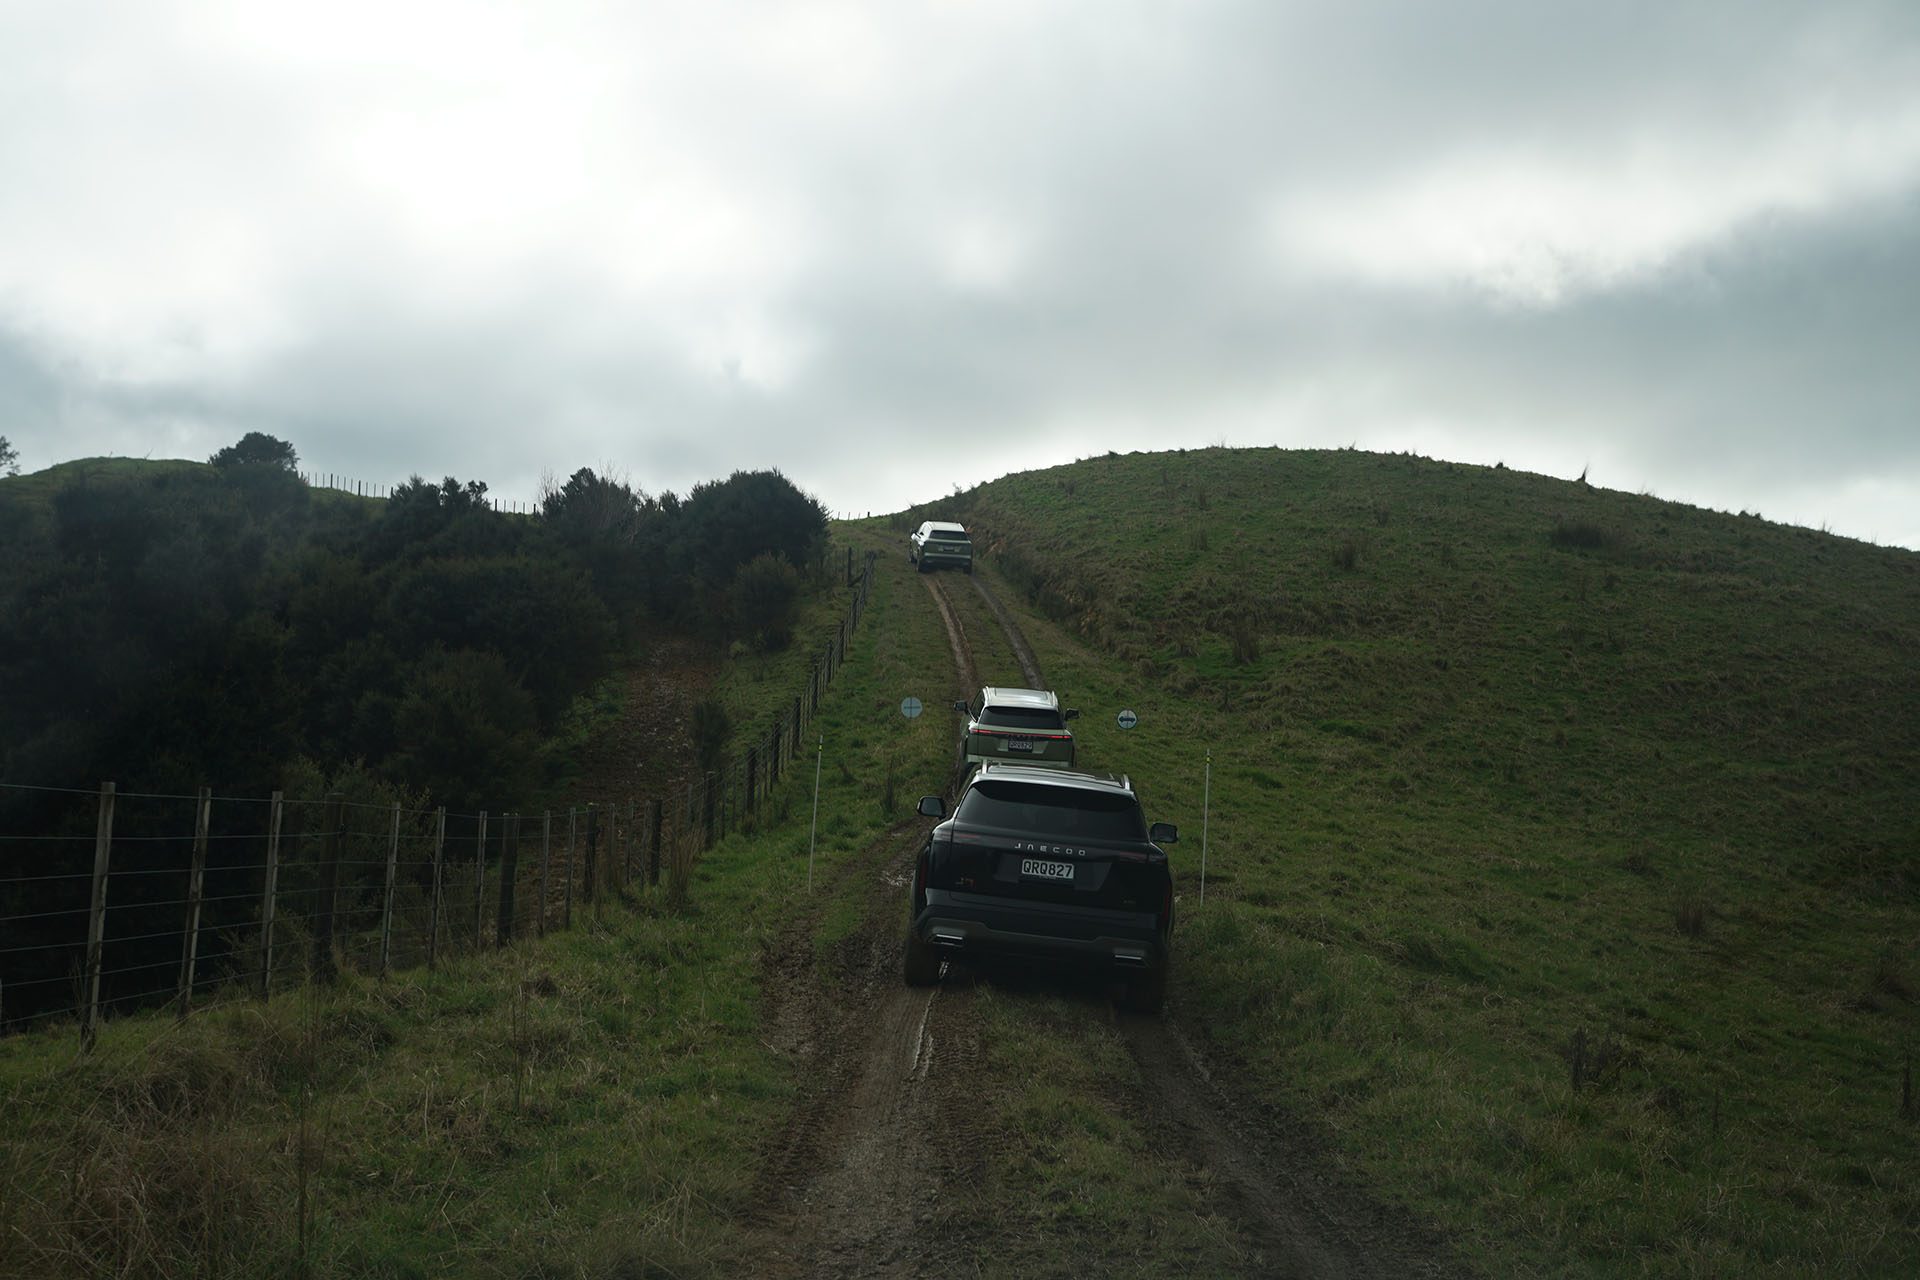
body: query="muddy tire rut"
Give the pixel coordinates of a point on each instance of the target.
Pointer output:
(889, 1132)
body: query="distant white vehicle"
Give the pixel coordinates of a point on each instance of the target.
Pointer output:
(935, 544)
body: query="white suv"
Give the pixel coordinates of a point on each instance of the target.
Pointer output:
(934, 544)
(1018, 726)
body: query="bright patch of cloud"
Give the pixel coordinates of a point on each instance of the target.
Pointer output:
(1539, 229)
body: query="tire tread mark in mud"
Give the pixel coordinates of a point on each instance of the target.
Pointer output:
(1279, 1201)
(1022, 651)
(847, 1188)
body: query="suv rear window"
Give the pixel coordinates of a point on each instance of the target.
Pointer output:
(1021, 718)
(1067, 813)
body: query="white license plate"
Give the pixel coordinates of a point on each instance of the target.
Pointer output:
(1043, 869)
(1020, 744)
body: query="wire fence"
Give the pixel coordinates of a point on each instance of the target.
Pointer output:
(381, 489)
(127, 900)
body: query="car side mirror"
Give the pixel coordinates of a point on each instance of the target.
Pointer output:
(933, 807)
(963, 708)
(1072, 714)
(1159, 832)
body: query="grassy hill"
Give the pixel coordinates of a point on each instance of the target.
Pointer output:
(1562, 845)
(1559, 851)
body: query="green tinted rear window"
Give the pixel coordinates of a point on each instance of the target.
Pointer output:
(1064, 813)
(1021, 718)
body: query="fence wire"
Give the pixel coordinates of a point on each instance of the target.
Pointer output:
(330, 904)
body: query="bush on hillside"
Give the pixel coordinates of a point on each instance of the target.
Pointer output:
(764, 595)
(726, 523)
(256, 448)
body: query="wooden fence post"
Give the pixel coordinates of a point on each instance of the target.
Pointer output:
(566, 920)
(433, 904)
(849, 566)
(331, 821)
(593, 847)
(97, 916)
(753, 774)
(270, 893)
(386, 900)
(711, 806)
(479, 880)
(509, 864)
(654, 817)
(196, 881)
(633, 844)
(546, 846)
(615, 849)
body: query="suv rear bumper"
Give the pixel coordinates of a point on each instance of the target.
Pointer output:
(937, 559)
(963, 925)
(1029, 760)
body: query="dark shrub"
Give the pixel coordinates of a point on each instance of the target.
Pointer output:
(764, 594)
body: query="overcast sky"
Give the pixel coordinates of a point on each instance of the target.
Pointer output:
(896, 246)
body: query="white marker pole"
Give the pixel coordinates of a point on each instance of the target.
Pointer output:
(812, 830)
(1206, 806)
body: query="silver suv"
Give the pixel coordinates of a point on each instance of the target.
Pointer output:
(935, 544)
(1018, 726)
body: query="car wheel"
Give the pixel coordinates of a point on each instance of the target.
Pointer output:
(1148, 993)
(921, 564)
(922, 962)
(969, 568)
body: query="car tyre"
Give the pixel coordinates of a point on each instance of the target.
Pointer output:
(969, 569)
(921, 967)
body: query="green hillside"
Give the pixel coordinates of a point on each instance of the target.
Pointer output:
(1562, 845)
(1559, 918)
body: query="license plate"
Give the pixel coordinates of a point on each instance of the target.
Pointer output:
(1020, 744)
(1043, 869)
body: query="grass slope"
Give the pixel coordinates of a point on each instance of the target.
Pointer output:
(1562, 841)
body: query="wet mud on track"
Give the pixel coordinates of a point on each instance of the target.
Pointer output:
(876, 1172)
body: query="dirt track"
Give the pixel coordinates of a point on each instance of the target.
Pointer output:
(877, 1173)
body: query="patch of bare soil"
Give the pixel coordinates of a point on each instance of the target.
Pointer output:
(647, 752)
(852, 1183)
(854, 1180)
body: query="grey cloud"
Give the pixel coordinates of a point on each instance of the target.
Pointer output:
(1136, 157)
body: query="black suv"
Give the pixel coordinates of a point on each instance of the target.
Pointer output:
(1043, 864)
